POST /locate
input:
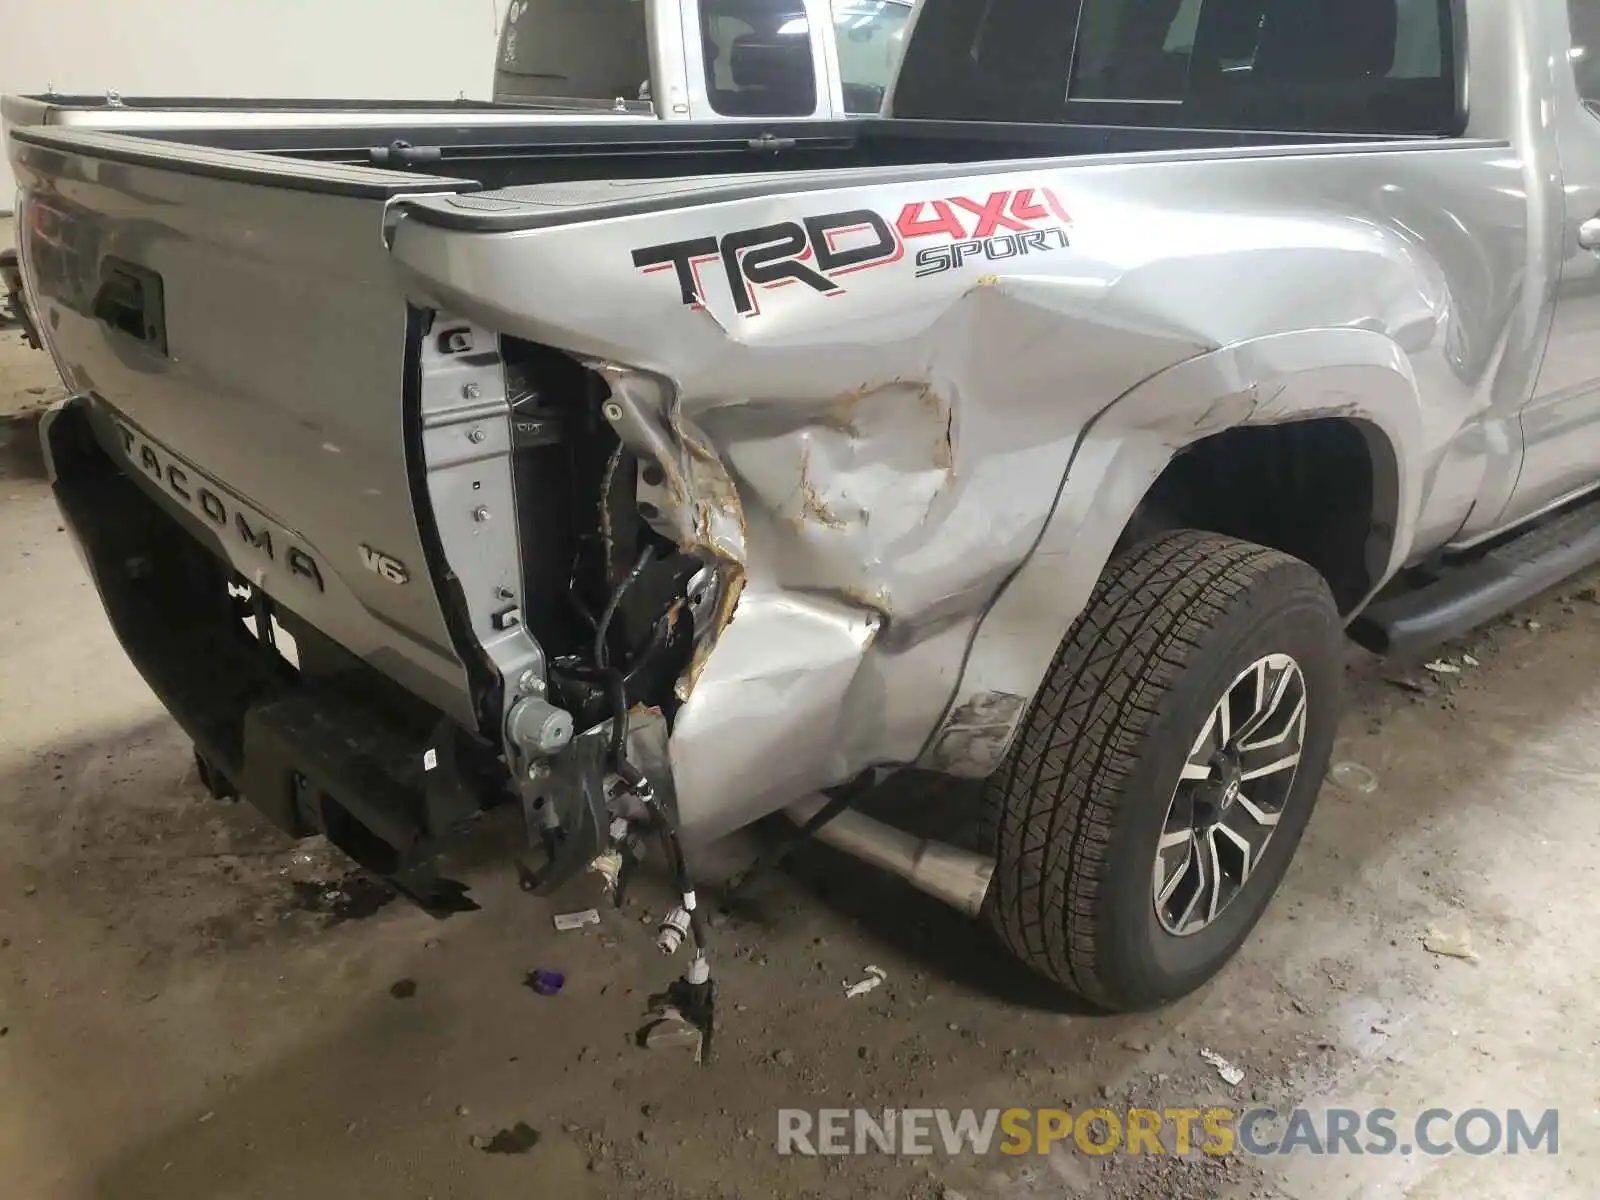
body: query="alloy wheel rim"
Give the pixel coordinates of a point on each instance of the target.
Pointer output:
(1230, 795)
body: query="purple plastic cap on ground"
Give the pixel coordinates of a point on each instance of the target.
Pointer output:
(546, 983)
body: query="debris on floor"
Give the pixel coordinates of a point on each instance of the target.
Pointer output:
(519, 1139)
(1353, 777)
(403, 989)
(353, 898)
(1231, 1075)
(875, 978)
(546, 983)
(140, 889)
(1408, 685)
(1440, 667)
(567, 922)
(672, 1028)
(1450, 945)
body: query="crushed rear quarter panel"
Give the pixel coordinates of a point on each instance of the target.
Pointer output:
(918, 466)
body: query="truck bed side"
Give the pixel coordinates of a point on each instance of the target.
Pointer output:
(921, 460)
(876, 403)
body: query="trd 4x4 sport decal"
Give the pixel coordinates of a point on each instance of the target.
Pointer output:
(818, 250)
(1006, 225)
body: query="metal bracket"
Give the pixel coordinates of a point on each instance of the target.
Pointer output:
(564, 805)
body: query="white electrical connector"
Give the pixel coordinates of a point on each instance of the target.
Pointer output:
(609, 867)
(674, 928)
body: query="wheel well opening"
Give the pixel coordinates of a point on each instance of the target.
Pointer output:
(1320, 490)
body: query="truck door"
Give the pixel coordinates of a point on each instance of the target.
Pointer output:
(1561, 424)
(590, 50)
(868, 37)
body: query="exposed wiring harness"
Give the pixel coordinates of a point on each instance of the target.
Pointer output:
(602, 654)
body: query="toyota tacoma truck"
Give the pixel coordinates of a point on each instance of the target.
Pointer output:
(1053, 429)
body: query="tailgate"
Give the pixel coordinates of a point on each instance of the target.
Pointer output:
(244, 347)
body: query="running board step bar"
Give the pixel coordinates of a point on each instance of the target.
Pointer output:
(1467, 594)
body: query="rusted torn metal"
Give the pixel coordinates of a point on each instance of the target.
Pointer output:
(696, 501)
(812, 506)
(727, 604)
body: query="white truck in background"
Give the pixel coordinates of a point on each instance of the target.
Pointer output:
(675, 60)
(704, 60)
(570, 60)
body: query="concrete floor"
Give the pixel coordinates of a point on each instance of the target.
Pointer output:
(183, 1016)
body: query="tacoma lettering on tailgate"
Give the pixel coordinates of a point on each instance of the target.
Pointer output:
(202, 496)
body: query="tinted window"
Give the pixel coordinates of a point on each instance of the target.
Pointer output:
(1585, 16)
(870, 35)
(1159, 50)
(758, 58)
(572, 49)
(1334, 66)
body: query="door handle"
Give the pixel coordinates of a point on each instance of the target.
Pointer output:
(1589, 234)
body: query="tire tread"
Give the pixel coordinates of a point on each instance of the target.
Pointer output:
(1053, 803)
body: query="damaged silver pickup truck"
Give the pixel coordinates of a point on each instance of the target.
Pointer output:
(1053, 428)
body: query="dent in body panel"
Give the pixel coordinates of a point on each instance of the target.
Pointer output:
(1352, 374)
(912, 542)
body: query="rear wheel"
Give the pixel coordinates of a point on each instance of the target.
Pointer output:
(1166, 771)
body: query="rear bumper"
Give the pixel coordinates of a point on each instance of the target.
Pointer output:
(333, 747)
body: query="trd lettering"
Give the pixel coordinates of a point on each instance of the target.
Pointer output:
(818, 250)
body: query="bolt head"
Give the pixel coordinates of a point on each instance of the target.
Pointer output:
(612, 410)
(471, 392)
(530, 684)
(480, 514)
(555, 733)
(476, 436)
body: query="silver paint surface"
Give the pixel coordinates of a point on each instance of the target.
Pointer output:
(920, 480)
(912, 486)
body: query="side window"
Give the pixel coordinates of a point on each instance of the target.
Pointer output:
(572, 49)
(1336, 66)
(1585, 18)
(1419, 41)
(1133, 50)
(758, 58)
(870, 35)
